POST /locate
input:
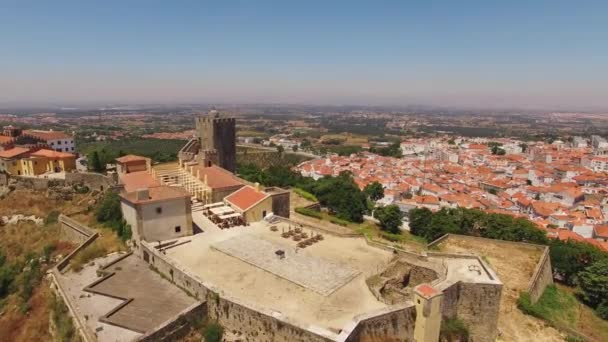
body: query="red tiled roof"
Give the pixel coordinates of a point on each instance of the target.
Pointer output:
(138, 180)
(130, 158)
(426, 290)
(601, 230)
(13, 152)
(5, 140)
(217, 177)
(158, 193)
(246, 197)
(52, 154)
(47, 135)
(566, 235)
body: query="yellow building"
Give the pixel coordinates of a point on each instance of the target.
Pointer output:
(44, 161)
(250, 202)
(10, 160)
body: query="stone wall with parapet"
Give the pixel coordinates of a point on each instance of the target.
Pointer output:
(542, 277)
(176, 327)
(73, 231)
(394, 323)
(251, 323)
(93, 181)
(543, 272)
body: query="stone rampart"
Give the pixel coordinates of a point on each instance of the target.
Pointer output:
(542, 277)
(73, 231)
(395, 323)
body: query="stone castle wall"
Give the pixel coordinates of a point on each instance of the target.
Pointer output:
(478, 306)
(396, 324)
(543, 277)
(73, 231)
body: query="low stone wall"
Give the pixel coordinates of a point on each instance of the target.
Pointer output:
(94, 181)
(543, 277)
(177, 327)
(81, 328)
(73, 231)
(69, 224)
(37, 183)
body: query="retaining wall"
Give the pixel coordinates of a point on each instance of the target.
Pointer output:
(393, 324)
(543, 277)
(254, 323)
(543, 272)
(73, 231)
(177, 327)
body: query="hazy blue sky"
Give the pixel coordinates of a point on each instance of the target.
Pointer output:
(478, 53)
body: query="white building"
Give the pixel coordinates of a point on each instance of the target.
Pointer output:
(157, 213)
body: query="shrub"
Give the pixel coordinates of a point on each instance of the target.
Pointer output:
(63, 322)
(213, 332)
(602, 309)
(305, 194)
(338, 221)
(52, 217)
(93, 251)
(309, 212)
(453, 329)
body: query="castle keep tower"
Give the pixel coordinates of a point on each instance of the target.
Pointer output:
(214, 144)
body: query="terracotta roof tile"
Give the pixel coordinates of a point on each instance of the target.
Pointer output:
(52, 154)
(130, 158)
(246, 197)
(13, 152)
(138, 180)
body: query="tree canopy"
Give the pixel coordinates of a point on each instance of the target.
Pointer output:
(474, 222)
(593, 284)
(390, 218)
(374, 191)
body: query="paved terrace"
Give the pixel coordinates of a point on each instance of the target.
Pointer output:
(336, 268)
(154, 299)
(320, 275)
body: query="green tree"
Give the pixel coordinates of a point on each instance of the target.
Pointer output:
(340, 195)
(294, 148)
(390, 218)
(280, 149)
(95, 162)
(593, 284)
(374, 191)
(568, 258)
(420, 219)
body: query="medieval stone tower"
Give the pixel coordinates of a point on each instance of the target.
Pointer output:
(216, 137)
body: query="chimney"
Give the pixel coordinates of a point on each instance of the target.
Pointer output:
(257, 187)
(143, 194)
(205, 179)
(198, 173)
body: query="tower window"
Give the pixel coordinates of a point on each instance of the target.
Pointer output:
(178, 229)
(159, 210)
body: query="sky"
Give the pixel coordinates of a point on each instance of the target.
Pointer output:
(507, 54)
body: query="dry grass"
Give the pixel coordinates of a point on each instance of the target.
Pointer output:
(33, 326)
(16, 241)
